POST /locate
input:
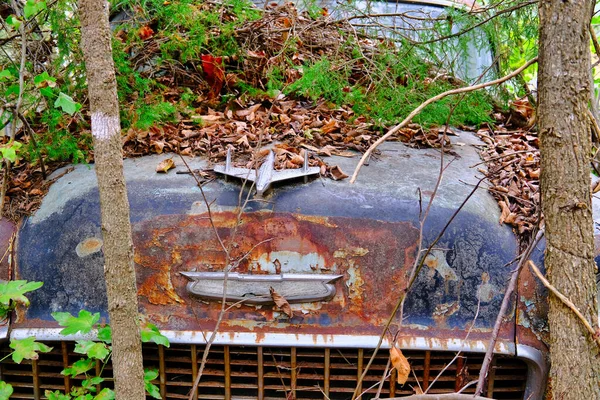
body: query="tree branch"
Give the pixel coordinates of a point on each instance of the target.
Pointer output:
(431, 100)
(594, 333)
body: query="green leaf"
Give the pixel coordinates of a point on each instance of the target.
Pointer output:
(153, 390)
(43, 80)
(47, 91)
(15, 290)
(12, 90)
(150, 333)
(85, 396)
(5, 74)
(105, 394)
(82, 323)
(79, 367)
(27, 349)
(92, 349)
(93, 381)
(9, 152)
(56, 395)
(67, 104)
(5, 390)
(105, 334)
(33, 7)
(150, 374)
(13, 21)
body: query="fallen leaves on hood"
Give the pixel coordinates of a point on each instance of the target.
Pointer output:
(401, 364)
(513, 169)
(282, 303)
(165, 165)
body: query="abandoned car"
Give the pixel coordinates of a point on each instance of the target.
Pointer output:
(340, 253)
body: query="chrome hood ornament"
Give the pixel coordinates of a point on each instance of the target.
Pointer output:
(267, 174)
(255, 289)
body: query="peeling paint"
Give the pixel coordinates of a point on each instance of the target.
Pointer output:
(88, 246)
(436, 261)
(350, 252)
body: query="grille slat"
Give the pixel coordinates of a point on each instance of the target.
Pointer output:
(264, 373)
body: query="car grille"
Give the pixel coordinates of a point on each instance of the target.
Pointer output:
(239, 372)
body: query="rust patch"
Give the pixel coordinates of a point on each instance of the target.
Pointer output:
(158, 287)
(378, 258)
(531, 311)
(88, 246)
(443, 311)
(315, 219)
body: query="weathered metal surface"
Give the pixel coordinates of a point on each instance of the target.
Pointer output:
(367, 233)
(532, 305)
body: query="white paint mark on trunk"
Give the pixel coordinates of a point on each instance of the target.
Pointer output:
(105, 126)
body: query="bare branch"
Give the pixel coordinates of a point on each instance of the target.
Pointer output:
(431, 100)
(503, 308)
(566, 301)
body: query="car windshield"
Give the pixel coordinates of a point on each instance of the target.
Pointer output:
(411, 24)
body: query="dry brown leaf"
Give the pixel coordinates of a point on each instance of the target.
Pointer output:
(596, 187)
(165, 165)
(330, 126)
(505, 211)
(337, 173)
(35, 192)
(535, 174)
(401, 364)
(281, 302)
(208, 120)
(158, 146)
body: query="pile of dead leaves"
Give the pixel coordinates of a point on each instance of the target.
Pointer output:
(289, 126)
(513, 169)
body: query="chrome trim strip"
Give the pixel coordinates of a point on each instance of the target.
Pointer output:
(537, 371)
(289, 339)
(256, 289)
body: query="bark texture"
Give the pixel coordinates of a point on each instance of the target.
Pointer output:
(116, 227)
(564, 92)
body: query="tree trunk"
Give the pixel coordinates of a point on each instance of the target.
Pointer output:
(116, 228)
(564, 63)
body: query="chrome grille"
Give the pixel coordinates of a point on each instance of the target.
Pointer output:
(238, 372)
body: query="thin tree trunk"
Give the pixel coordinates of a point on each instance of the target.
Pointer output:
(564, 93)
(116, 228)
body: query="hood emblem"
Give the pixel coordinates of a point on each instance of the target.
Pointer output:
(255, 289)
(267, 174)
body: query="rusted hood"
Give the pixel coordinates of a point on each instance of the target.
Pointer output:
(367, 234)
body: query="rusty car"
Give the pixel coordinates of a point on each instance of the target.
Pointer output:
(339, 252)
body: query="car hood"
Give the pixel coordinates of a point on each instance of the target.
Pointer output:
(357, 241)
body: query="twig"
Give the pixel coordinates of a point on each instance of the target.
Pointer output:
(226, 270)
(500, 157)
(384, 377)
(504, 306)
(413, 277)
(430, 101)
(225, 276)
(595, 333)
(414, 271)
(471, 27)
(16, 111)
(34, 141)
